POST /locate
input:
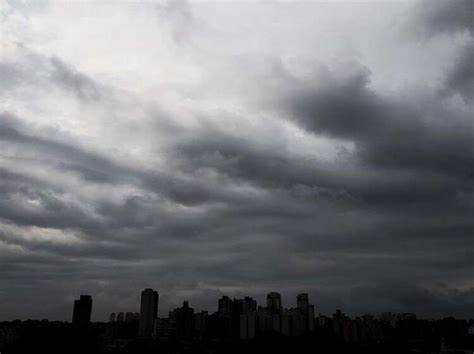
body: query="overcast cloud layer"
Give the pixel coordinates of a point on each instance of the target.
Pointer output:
(237, 148)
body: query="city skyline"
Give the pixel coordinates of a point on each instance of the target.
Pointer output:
(239, 325)
(149, 308)
(210, 148)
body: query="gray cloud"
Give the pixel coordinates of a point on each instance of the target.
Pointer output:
(460, 79)
(338, 106)
(446, 16)
(47, 72)
(81, 85)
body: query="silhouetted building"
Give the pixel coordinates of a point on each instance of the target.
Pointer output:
(470, 330)
(187, 332)
(302, 301)
(165, 328)
(267, 321)
(185, 321)
(247, 328)
(225, 305)
(285, 321)
(263, 320)
(249, 304)
(148, 312)
(307, 311)
(388, 318)
(344, 328)
(81, 315)
(311, 318)
(201, 319)
(274, 302)
(243, 317)
(297, 322)
(129, 317)
(323, 321)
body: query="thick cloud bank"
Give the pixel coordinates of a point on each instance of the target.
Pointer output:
(237, 148)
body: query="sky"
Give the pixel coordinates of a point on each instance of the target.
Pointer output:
(236, 148)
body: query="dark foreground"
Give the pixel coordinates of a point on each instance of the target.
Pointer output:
(444, 336)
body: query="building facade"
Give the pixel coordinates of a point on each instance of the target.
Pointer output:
(148, 312)
(81, 316)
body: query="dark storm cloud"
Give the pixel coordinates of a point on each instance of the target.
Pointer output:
(395, 210)
(416, 131)
(97, 250)
(446, 16)
(399, 141)
(68, 156)
(406, 179)
(55, 209)
(451, 18)
(65, 154)
(301, 197)
(460, 79)
(341, 107)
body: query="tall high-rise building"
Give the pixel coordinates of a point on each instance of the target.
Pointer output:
(249, 304)
(148, 312)
(81, 315)
(274, 302)
(225, 305)
(185, 321)
(247, 326)
(112, 317)
(310, 318)
(201, 319)
(302, 301)
(307, 310)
